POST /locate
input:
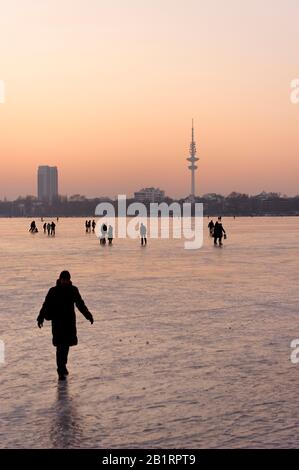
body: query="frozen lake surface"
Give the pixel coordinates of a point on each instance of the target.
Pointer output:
(188, 349)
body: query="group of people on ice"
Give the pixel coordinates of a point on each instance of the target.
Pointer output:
(48, 227)
(217, 231)
(106, 234)
(33, 228)
(90, 225)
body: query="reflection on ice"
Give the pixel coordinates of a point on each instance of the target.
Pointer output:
(65, 428)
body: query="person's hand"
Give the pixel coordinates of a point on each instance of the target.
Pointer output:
(91, 319)
(40, 323)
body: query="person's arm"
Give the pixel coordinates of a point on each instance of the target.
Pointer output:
(45, 307)
(82, 307)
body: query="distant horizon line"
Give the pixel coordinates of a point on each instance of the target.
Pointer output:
(178, 198)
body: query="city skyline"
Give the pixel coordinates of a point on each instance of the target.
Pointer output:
(106, 93)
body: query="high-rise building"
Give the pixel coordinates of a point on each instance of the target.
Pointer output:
(192, 159)
(47, 183)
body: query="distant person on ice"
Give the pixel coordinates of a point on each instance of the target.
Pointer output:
(143, 234)
(32, 226)
(59, 308)
(53, 226)
(110, 234)
(49, 228)
(103, 234)
(211, 226)
(218, 232)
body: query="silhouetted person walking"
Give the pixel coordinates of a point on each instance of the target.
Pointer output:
(103, 234)
(32, 227)
(45, 227)
(59, 308)
(93, 225)
(143, 234)
(211, 226)
(49, 228)
(110, 234)
(218, 232)
(53, 227)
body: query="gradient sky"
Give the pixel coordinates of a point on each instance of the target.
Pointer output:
(106, 91)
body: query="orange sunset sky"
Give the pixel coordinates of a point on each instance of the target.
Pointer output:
(106, 90)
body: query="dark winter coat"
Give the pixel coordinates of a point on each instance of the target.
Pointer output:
(59, 308)
(218, 230)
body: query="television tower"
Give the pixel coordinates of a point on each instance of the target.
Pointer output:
(192, 159)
